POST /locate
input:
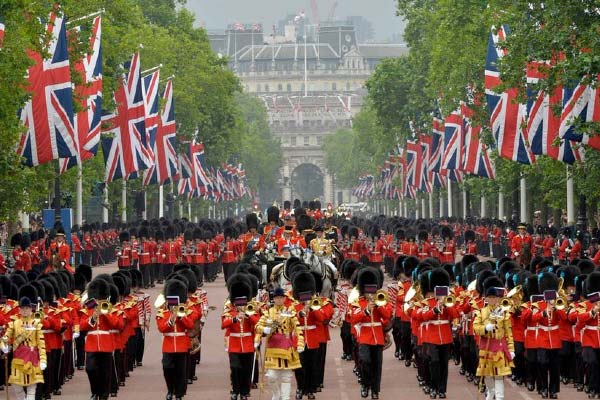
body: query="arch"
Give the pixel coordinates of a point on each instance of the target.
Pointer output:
(307, 181)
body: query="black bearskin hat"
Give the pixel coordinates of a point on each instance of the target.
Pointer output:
(133, 232)
(531, 286)
(568, 273)
(507, 267)
(136, 278)
(318, 281)
(303, 282)
(239, 285)
(85, 270)
(592, 283)
(375, 231)
(159, 234)
(273, 214)
(446, 232)
(438, 277)
(143, 232)
(79, 282)
(481, 277)
(251, 221)
(49, 291)
(303, 222)
(30, 292)
(367, 276)
(547, 281)
(586, 266)
(297, 203)
(353, 232)
(287, 205)
(490, 283)
(188, 235)
(348, 268)
(124, 236)
(98, 289)
(15, 240)
(121, 284)
(229, 232)
(25, 241)
(469, 235)
(176, 287)
(191, 278)
(170, 232)
(423, 235)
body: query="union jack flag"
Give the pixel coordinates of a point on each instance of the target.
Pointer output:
(477, 155)
(88, 120)
(48, 115)
(165, 158)
(507, 115)
(204, 183)
(126, 152)
(543, 126)
(452, 157)
(580, 102)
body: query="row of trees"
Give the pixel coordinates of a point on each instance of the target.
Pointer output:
(209, 103)
(448, 43)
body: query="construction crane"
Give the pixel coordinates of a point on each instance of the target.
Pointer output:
(332, 10)
(315, 11)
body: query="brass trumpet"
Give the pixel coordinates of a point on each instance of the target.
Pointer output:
(250, 309)
(316, 303)
(181, 310)
(449, 301)
(506, 304)
(38, 315)
(380, 298)
(561, 303)
(105, 307)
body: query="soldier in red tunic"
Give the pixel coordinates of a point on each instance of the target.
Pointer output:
(522, 246)
(123, 252)
(370, 320)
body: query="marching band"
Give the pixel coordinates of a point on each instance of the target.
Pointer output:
(531, 316)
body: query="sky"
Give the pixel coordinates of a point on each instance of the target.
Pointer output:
(216, 14)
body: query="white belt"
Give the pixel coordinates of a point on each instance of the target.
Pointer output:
(174, 334)
(308, 327)
(114, 331)
(98, 333)
(447, 252)
(47, 331)
(591, 328)
(371, 324)
(532, 328)
(240, 334)
(439, 322)
(548, 328)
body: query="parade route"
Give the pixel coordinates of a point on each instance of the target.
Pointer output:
(398, 382)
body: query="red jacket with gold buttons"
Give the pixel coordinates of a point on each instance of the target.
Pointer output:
(175, 335)
(438, 322)
(240, 332)
(369, 326)
(99, 338)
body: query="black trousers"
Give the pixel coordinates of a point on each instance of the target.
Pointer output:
(591, 358)
(322, 359)
(140, 343)
(240, 365)
(120, 370)
(167, 269)
(567, 360)
(346, 336)
(80, 349)
(130, 354)
(437, 355)
(396, 335)
(175, 373)
(67, 360)
(145, 270)
(99, 368)
(549, 363)
(405, 340)
(469, 354)
(307, 377)
(534, 376)
(371, 360)
(579, 365)
(520, 370)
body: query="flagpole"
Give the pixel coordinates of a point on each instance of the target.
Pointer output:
(500, 204)
(441, 204)
(189, 209)
(105, 203)
(57, 194)
(161, 201)
(92, 15)
(124, 201)
(147, 71)
(144, 194)
(464, 198)
(79, 195)
(570, 198)
(449, 184)
(423, 208)
(431, 204)
(523, 190)
(482, 206)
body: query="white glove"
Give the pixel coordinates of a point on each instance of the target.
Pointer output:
(75, 335)
(489, 327)
(5, 349)
(256, 345)
(267, 330)
(300, 349)
(512, 355)
(516, 254)
(43, 366)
